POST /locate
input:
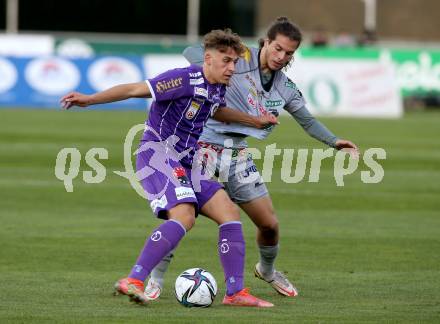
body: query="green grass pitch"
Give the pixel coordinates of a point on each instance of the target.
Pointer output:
(358, 253)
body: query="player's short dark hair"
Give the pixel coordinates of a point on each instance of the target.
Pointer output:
(221, 40)
(283, 26)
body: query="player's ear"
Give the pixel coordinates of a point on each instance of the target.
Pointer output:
(208, 57)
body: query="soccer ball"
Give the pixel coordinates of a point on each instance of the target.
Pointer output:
(195, 287)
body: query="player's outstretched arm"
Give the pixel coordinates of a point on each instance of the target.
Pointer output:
(229, 115)
(116, 93)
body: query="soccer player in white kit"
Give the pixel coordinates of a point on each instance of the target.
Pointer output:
(258, 87)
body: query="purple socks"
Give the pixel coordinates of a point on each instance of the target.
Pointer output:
(161, 242)
(165, 238)
(231, 249)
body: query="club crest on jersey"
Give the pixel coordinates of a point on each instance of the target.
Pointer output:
(192, 110)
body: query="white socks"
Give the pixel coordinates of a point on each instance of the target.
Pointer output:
(159, 271)
(268, 255)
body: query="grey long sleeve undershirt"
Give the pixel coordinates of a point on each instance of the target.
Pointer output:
(303, 117)
(313, 127)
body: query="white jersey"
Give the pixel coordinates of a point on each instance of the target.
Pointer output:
(246, 93)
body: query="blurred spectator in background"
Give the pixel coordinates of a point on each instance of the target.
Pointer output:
(367, 38)
(319, 37)
(344, 39)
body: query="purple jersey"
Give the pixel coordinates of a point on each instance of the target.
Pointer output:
(183, 102)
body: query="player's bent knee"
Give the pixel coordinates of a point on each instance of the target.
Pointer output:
(184, 214)
(266, 220)
(269, 229)
(187, 220)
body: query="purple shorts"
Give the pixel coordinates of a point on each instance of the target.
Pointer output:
(168, 183)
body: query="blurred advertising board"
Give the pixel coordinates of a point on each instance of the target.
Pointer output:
(335, 81)
(358, 88)
(41, 81)
(417, 70)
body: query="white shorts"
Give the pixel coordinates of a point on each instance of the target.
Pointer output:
(238, 174)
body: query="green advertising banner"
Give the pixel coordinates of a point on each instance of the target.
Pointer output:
(417, 71)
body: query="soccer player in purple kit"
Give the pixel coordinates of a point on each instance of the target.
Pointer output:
(183, 101)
